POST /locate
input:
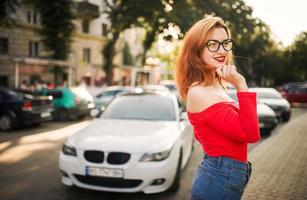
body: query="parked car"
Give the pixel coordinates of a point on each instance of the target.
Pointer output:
(273, 98)
(170, 85)
(70, 103)
(140, 143)
(266, 116)
(107, 95)
(294, 92)
(154, 88)
(22, 108)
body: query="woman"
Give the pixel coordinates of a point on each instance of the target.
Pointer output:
(223, 127)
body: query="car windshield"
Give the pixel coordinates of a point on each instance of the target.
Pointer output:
(143, 107)
(268, 95)
(171, 87)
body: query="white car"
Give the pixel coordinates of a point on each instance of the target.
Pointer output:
(266, 116)
(273, 98)
(107, 94)
(140, 143)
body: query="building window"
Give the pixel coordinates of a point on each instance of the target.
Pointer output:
(29, 17)
(4, 46)
(86, 55)
(85, 26)
(33, 49)
(33, 17)
(104, 29)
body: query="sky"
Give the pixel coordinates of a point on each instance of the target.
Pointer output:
(287, 18)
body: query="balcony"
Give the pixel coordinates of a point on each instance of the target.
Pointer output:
(86, 10)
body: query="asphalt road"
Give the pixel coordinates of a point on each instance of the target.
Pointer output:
(29, 166)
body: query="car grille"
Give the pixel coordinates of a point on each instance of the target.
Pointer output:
(114, 158)
(108, 182)
(118, 158)
(94, 156)
(267, 119)
(278, 109)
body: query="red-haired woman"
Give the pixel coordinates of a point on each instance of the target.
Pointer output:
(222, 126)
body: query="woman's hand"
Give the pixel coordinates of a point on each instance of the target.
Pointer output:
(229, 73)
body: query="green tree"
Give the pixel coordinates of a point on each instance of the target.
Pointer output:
(124, 14)
(297, 62)
(128, 59)
(7, 7)
(57, 29)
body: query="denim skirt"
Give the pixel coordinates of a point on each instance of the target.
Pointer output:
(220, 178)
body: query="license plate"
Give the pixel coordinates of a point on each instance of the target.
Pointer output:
(106, 172)
(45, 114)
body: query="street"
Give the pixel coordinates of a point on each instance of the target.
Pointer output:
(29, 165)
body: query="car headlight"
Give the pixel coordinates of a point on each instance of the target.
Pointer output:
(69, 150)
(159, 156)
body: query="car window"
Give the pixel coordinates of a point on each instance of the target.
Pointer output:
(13, 95)
(144, 107)
(302, 90)
(171, 87)
(109, 93)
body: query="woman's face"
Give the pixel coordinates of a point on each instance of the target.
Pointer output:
(214, 54)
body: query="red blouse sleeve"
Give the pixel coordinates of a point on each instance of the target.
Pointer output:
(237, 124)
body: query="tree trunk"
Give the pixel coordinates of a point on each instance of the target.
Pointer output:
(108, 54)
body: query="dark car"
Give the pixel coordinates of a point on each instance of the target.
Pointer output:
(22, 108)
(295, 92)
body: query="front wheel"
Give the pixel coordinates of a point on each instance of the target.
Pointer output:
(6, 122)
(176, 184)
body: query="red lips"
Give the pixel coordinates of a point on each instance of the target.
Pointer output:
(219, 58)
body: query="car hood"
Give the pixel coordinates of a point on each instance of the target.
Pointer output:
(132, 136)
(264, 110)
(275, 102)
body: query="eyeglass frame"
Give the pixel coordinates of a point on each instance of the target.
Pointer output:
(220, 43)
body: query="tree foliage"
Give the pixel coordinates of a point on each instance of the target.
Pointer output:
(7, 7)
(57, 29)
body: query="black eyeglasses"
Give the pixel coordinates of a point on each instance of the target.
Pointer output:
(214, 45)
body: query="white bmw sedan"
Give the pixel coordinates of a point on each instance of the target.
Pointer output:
(141, 142)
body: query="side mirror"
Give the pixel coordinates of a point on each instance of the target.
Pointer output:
(184, 116)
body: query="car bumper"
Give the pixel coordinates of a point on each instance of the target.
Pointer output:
(138, 176)
(28, 118)
(267, 123)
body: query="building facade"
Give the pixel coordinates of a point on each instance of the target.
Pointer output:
(23, 57)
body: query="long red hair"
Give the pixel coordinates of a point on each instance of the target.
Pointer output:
(190, 65)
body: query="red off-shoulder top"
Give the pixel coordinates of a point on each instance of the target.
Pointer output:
(225, 128)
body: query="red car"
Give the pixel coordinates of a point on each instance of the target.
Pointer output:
(295, 92)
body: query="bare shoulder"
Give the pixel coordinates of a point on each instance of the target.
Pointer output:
(201, 97)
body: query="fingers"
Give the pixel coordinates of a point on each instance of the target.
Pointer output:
(226, 71)
(219, 71)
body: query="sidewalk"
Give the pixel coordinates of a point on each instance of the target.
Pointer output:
(280, 165)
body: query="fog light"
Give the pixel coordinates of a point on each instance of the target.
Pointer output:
(158, 181)
(64, 173)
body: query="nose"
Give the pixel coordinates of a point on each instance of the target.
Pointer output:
(221, 49)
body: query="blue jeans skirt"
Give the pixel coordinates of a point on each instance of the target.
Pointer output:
(220, 178)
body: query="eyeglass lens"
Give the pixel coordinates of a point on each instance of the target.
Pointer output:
(214, 45)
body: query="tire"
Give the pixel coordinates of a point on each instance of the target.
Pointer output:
(176, 183)
(7, 123)
(265, 132)
(286, 118)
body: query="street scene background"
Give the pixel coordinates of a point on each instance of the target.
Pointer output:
(65, 66)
